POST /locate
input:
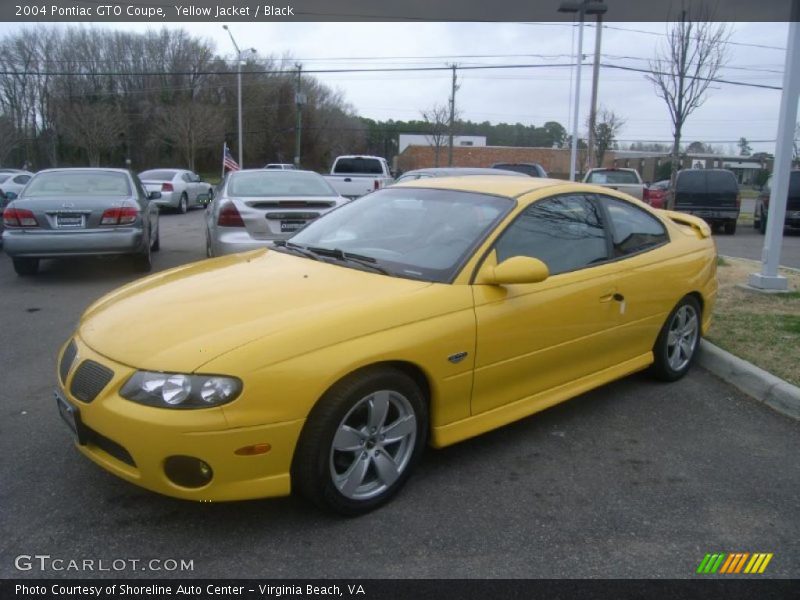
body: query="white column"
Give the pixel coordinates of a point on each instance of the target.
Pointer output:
(768, 278)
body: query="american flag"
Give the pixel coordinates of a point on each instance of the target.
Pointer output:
(227, 160)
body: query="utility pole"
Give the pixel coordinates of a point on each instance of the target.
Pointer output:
(452, 118)
(595, 76)
(299, 100)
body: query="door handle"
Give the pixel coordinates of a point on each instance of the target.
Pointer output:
(616, 296)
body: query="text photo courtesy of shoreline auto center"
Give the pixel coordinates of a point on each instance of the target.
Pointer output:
(394, 300)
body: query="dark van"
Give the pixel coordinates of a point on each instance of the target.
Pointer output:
(711, 194)
(792, 204)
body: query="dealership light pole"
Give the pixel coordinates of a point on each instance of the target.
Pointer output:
(587, 7)
(239, 87)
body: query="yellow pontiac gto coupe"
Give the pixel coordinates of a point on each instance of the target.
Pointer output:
(428, 312)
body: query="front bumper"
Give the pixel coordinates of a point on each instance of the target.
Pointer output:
(149, 435)
(87, 242)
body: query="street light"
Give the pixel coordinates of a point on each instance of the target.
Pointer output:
(239, 86)
(587, 7)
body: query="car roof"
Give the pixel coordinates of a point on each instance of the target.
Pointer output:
(498, 185)
(85, 170)
(456, 171)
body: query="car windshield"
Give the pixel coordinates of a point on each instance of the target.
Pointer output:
(157, 175)
(410, 232)
(78, 183)
(613, 177)
(260, 184)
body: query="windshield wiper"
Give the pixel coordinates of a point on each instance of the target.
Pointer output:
(338, 254)
(297, 248)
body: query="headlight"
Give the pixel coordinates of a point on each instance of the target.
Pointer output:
(176, 390)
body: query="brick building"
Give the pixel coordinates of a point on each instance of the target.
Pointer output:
(554, 160)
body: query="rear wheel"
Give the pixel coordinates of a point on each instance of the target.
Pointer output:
(676, 345)
(156, 246)
(26, 266)
(143, 261)
(361, 441)
(730, 227)
(762, 224)
(756, 219)
(183, 204)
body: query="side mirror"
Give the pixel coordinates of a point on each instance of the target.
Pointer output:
(517, 269)
(154, 195)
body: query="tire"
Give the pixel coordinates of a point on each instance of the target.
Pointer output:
(183, 204)
(343, 462)
(26, 266)
(156, 245)
(762, 224)
(756, 219)
(672, 357)
(729, 227)
(143, 261)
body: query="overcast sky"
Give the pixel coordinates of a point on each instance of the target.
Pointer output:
(530, 96)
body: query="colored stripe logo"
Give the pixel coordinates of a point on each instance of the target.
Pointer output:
(734, 563)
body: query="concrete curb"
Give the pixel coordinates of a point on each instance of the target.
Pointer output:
(752, 380)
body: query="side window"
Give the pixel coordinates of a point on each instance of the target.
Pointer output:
(564, 232)
(22, 178)
(186, 178)
(633, 230)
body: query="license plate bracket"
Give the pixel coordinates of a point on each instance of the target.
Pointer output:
(69, 221)
(291, 226)
(71, 416)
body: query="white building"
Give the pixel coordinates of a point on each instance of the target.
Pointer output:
(422, 139)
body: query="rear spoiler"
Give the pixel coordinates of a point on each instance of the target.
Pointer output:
(696, 223)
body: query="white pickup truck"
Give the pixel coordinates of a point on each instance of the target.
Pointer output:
(353, 176)
(623, 180)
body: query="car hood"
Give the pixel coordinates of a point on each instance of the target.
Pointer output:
(181, 319)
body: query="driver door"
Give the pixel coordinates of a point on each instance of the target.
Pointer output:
(532, 338)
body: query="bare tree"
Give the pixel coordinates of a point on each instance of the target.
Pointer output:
(11, 137)
(95, 128)
(684, 68)
(188, 127)
(437, 119)
(606, 128)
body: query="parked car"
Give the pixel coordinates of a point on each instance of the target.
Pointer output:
(711, 194)
(255, 207)
(761, 211)
(355, 176)
(180, 189)
(428, 312)
(280, 166)
(14, 182)
(529, 169)
(80, 212)
(451, 172)
(655, 194)
(624, 180)
(3, 203)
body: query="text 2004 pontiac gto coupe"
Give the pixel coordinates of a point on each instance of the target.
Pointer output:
(428, 312)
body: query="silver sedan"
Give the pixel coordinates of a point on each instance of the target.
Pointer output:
(12, 183)
(80, 212)
(255, 207)
(180, 189)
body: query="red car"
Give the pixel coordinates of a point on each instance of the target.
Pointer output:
(655, 194)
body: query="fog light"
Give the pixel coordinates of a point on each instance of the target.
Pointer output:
(188, 471)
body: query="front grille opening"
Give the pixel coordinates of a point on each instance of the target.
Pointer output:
(66, 361)
(108, 446)
(89, 380)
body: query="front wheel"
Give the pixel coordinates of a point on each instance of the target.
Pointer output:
(361, 441)
(676, 345)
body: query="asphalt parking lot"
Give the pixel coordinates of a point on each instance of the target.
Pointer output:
(749, 243)
(636, 479)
